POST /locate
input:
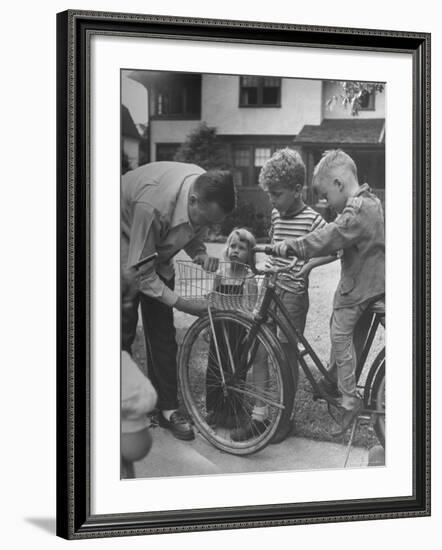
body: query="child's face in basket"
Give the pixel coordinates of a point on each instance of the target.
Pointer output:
(238, 250)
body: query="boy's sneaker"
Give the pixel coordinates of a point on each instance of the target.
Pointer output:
(252, 429)
(348, 417)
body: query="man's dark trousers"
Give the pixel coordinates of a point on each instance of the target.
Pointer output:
(161, 348)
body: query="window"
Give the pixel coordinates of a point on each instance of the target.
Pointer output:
(249, 158)
(179, 97)
(261, 155)
(242, 157)
(241, 161)
(259, 91)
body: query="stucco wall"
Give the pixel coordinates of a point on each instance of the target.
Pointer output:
(338, 111)
(300, 104)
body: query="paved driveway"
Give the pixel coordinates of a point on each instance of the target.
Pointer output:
(171, 457)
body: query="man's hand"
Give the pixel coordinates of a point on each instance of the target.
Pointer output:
(208, 263)
(283, 249)
(192, 307)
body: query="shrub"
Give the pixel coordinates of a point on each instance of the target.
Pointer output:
(204, 149)
(248, 216)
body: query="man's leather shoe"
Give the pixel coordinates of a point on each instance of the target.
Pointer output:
(178, 425)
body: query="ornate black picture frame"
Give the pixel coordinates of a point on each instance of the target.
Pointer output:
(74, 32)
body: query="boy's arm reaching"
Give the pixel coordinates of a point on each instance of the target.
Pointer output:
(315, 262)
(340, 234)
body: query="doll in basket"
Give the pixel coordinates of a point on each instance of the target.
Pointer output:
(234, 288)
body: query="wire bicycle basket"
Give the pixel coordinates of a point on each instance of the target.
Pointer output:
(232, 287)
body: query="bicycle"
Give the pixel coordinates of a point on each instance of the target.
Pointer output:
(219, 352)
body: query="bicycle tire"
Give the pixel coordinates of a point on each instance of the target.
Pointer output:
(195, 361)
(374, 394)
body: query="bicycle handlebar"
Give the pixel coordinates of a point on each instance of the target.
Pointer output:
(264, 249)
(268, 250)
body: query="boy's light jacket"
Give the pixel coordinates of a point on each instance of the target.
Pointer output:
(360, 233)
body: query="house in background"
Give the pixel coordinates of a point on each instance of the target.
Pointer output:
(256, 115)
(362, 136)
(130, 141)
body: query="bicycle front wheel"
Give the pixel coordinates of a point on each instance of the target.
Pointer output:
(228, 371)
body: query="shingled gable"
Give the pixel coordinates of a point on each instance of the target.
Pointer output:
(344, 131)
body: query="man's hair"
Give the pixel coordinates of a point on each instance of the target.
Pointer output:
(336, 159)
(217, 186)
(285, 168)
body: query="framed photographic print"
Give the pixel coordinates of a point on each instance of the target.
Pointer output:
(243, 210)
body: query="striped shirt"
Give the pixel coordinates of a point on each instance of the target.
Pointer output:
(300, 224)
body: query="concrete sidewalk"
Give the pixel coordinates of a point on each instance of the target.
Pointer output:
(171, 457)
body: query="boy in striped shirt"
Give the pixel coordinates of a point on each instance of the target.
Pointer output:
(283, 177)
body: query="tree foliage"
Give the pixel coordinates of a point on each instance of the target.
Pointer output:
(203, 148)
(353, 94)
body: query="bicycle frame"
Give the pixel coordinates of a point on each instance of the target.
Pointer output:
(270, 306)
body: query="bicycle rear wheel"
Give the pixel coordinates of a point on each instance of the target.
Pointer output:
(374, 394)
(225, 373)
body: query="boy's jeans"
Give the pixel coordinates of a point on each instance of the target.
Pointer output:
(343, 354)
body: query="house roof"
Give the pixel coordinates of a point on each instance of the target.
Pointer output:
(159, 78)
(345, 131)
(128, 128)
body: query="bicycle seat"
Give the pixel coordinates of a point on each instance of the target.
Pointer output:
(378, 306)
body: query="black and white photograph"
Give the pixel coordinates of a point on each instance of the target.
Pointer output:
(252, 258)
